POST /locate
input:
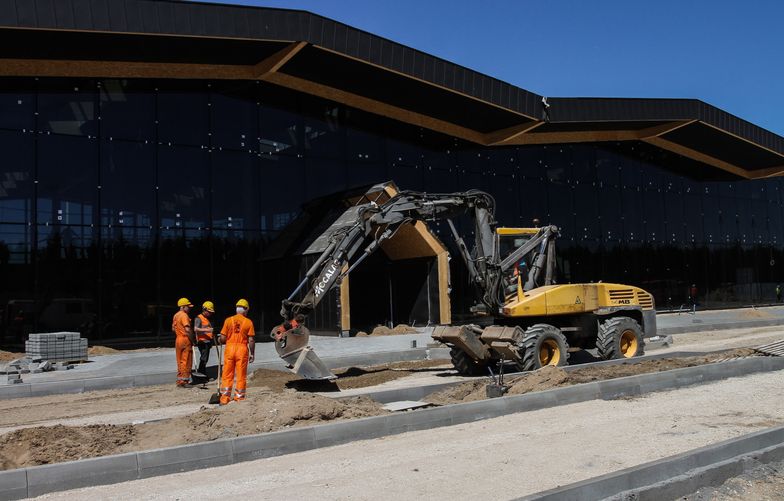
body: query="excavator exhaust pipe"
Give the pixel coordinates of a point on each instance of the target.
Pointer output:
(300, 358)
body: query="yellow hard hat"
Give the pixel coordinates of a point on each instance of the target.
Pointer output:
(184, 301)
(243, 303)
(209, 306)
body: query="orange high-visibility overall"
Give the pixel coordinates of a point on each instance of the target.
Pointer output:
(237, 329)
(183, 347)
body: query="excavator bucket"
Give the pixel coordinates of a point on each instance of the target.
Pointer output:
(300, 358)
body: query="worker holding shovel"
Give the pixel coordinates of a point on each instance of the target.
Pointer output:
(238, 336)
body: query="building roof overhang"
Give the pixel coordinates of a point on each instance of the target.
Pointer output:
(318, 56)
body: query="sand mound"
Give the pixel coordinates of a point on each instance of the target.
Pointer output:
(101, 350)
(7, 356)
(755, 314)
(381, 330)
(262, 412)
(45, 445)
(549, 377)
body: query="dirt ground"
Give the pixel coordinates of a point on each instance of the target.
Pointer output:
(381, 330)
(276, 400)
(554, 377)
(555, 446)
(265, 412)
(762, 483)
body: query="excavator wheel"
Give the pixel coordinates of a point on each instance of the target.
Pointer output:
(465, 365)
(620, 337)
(544, 345)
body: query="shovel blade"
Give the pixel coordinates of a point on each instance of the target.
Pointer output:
(214, 399)
(308, 365)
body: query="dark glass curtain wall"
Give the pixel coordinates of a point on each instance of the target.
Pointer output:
(119, 196)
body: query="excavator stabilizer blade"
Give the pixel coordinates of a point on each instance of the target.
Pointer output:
(307, 364)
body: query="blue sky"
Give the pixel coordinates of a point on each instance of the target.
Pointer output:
(727, 53)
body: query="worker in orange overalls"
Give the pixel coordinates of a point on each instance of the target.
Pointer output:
(203, 329)
(239, 337)
(184, 342)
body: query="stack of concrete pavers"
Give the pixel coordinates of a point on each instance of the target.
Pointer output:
(56, 347)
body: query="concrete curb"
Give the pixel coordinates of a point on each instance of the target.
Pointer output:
(111, 469)
(117, 382)
(678, 475)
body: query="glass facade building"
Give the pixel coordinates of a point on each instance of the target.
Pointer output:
(117, 196)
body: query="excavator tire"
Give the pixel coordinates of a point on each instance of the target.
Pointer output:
(543, 345)
(619, 337)
(465, 365)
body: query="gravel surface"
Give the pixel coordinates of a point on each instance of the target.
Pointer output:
(499, 458)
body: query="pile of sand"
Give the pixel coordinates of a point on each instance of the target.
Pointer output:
(261, 413)
(101, 350)
(56, 444)
(7, 356)
(754, 313)
(554, 377)
(381, 330)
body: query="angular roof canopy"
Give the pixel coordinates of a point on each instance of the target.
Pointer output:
(322, 57)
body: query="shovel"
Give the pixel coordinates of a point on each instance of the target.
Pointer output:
(215, 397)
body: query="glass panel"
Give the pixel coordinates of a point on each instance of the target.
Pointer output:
(236, 271)
(235, 188)
(324, 135)
(586, 212)
(280, 131)
(279, 204)
(405, 165)
(324, 177)
(67, 107)
(17, 103)
(711, 214)
(128, 109)
(67, 258)
(183, 258)
(183, 187)
(234, 115)
(16, 177)
(127, 183)
(531, 161)
(366, 173)
(183, 113)
(15, 240)
(610, 212)
(67, 187)
(17, 305)
(363, 146)
(127, 301)
(673, 212)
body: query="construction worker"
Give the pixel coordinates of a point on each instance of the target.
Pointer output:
(778, 293)
(184, 342)
(239, 337)
(203, 329)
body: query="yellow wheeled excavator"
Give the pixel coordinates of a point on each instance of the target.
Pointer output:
(524, 316)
